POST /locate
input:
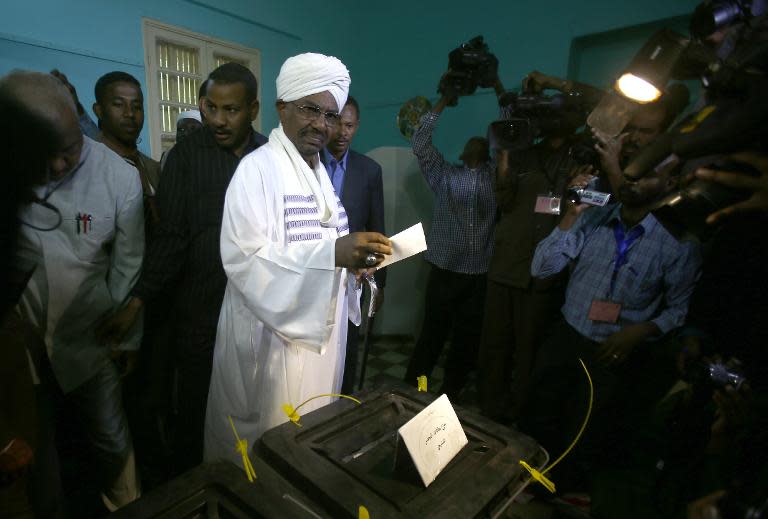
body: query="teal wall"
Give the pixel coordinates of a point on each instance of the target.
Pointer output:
(394, 50)
(87, 38)
(403, 50)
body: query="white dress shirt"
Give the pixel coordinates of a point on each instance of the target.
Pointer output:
(86, 266)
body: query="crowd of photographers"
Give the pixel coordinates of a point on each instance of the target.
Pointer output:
(599, 260)
(600, 231)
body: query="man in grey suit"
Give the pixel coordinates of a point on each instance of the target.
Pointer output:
(357, 181)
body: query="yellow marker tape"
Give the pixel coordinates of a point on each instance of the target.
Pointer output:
(241, 446)
(362, 513)
(293, 414)
(539, 476)
(422, 383)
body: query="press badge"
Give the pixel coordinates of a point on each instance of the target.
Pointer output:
(547, 204)
(604, 311)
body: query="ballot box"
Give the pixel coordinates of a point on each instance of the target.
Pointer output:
(222, 490)
(346, 455)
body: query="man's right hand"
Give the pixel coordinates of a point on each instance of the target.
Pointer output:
(580, 177)
(63, 78)
(536, 82)
(112, 330)
(352, 249)
(446, 100)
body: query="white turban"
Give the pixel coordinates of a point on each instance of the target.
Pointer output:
(189, 114)
(310, 73)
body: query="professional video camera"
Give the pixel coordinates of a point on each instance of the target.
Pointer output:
(736, 81)
(469, 66)
(534, 116)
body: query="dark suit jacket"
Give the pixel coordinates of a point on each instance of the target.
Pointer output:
(363, 198)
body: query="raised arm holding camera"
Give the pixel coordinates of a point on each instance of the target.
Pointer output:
(460, 246)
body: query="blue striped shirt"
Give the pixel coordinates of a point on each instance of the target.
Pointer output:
(655, 284)
(461, 237)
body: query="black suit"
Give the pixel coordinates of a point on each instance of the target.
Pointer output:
(362, 195)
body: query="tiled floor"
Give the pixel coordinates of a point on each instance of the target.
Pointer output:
(390, 356)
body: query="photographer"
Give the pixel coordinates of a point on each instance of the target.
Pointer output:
(460, 246)
(518, 307)
(630, 284)
(646, 124)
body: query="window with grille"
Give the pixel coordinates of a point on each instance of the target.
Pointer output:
(177, 62)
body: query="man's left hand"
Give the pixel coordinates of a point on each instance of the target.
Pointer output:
(619, 346)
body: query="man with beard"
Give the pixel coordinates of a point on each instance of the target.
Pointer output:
(119, 107)
(184, 261)
(289, 257)
(630, 285)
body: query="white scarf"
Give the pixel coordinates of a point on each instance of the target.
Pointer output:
(315, 179)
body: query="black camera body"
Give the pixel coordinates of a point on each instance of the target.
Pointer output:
(470, 65)
(535, 116)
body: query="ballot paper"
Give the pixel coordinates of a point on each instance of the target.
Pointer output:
(433, 438)
(405, 244)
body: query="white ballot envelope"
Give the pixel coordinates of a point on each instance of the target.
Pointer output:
(433, 438)
(405, 244)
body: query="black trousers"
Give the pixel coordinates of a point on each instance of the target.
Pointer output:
(350, 361)
(193, 361)
(623, 394)
(453, 309)
(514, 322)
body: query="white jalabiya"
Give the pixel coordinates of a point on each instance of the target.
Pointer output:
(283, 324)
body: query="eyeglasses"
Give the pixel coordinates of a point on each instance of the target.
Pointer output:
(313, 112)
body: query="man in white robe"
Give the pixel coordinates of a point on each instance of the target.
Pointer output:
(286, 249)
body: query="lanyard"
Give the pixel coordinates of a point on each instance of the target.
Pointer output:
(623, 243)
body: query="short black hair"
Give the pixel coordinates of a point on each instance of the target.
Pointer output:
(112, 77)
(201, 91)
(229, 73)
(351, 101)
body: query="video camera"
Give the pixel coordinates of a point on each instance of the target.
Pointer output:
(533, 116)
(470, 65)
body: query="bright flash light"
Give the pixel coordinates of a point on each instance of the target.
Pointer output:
(637, 89)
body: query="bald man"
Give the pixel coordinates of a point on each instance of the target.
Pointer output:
(85, 237)
(287, 252)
